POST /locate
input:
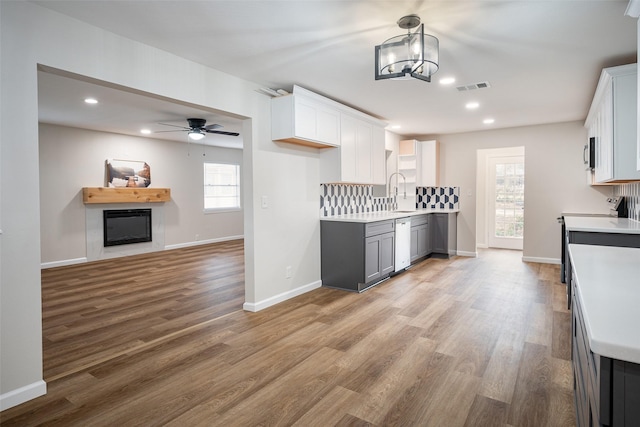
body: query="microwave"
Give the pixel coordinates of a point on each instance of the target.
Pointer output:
(589, 154)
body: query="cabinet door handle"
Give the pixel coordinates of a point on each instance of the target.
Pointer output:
(584, 154)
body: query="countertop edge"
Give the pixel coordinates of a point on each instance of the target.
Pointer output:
(384, 215)
(596, 328)
(602, 224)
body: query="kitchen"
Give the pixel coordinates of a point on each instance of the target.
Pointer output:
(280, 180)
(366, 243)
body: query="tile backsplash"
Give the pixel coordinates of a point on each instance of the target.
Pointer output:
(632, 192)
(341, 199)
(438, 197)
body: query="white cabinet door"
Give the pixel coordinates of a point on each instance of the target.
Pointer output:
(305, 117)
(303, 120)
(379, 157)
(356, 150)
(428, 164)
(348, 149)
(604, 168)
(316, 122)
(364, 152)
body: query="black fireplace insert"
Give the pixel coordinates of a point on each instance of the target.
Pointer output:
(125, 226)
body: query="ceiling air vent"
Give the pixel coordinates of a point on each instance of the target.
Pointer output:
(473, 86)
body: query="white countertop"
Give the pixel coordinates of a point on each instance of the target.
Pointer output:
(602, 224)
(608, 289)
(384, 215)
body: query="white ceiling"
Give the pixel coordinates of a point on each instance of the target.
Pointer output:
(541, 58)
(61, 102)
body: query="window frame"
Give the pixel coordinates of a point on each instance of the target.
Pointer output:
(238, 186)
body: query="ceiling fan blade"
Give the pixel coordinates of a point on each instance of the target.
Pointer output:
(221, 132)
(212, 127)
(177, 130)
(175, 126)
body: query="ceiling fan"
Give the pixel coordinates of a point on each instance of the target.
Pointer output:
(197, 129)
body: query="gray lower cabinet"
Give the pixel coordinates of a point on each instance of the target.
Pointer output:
(379, 256)
(606, 390)
(420, 237)
(444, 233)
(355, 256)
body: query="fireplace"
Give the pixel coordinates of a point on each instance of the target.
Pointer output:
(126, 226)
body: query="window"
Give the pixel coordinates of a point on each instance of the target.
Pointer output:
(509, 203)
(221, 186)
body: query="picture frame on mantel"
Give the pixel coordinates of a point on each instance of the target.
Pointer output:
(128, 173)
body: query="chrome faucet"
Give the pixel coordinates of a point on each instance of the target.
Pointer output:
(405, 184)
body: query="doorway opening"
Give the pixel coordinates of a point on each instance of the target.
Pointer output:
(500, 201)
(138, 295)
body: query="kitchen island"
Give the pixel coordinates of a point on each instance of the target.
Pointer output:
(605, 339)
(359, 251)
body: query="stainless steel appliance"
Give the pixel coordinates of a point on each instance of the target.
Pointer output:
(589, 154)
(403, 244)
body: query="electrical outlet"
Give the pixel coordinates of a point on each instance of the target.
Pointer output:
(197, 237)
(287, 272)
(265, 202)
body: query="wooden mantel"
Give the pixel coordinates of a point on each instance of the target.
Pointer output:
(91, 195)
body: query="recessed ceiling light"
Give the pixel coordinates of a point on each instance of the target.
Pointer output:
(488, 121)
(472, 105)
(91, 100)
(396, 127)
(145, 131)
(447, 80)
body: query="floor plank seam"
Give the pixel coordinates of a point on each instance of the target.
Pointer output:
(139, 348)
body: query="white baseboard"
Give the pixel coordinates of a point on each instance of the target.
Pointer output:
(74, 261)
(466, 253)
(202, 242)
(482, 246)
(541, 260)
(261, 305)
(23, 394)
(63, 263)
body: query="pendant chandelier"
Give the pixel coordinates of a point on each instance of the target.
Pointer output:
(408, 55)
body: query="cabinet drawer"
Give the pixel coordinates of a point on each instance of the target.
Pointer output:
(381, 227)
(419, 220)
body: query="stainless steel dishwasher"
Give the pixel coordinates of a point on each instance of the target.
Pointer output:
(403, 243)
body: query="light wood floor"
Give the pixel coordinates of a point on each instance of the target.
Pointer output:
(462, 342)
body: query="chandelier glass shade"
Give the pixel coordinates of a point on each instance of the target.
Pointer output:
(409, 55)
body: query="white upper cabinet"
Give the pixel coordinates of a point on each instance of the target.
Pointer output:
(355, 141)
(305, 118)
(361, 156)
(612, 121)
(428, 169)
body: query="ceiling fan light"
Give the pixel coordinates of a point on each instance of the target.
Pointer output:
(196, 135)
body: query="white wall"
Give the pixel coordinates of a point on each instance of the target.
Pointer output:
(555, 181)
(285, 234)
(72, 158)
